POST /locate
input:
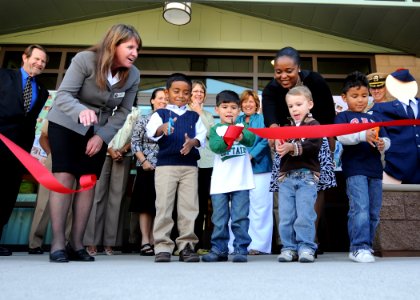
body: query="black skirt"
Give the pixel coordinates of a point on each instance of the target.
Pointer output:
(68, 152)
(144, 194)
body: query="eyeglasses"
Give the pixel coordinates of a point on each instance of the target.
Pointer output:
(198, 92)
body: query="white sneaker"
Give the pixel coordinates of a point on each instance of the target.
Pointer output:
(362, 256)
(287, 256)
(306, 256)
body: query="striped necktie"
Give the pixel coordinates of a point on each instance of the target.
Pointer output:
(27, 94)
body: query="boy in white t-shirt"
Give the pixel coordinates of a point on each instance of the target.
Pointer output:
(232, 179)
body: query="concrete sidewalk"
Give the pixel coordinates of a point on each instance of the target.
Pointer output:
(130, 276)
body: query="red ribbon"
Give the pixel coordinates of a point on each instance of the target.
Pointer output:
(42, 175)
(320, 131)
(232, 133)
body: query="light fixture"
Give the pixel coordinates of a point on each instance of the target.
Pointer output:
(177, 13)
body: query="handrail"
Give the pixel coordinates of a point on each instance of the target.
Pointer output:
(400, 187)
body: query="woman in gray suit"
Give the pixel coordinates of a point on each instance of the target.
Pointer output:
(92, 103)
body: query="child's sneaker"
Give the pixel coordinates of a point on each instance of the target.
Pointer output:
(287, 256)
(239, 258)
(362, 256)
(213, 257)
(188, 255)
(306, 256)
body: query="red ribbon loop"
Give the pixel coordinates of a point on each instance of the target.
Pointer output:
(42, 174)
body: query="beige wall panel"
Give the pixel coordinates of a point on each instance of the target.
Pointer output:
(83, 34)
(381, 60)
(270, 32)
(167, 33)
(191, 32)
(102, 27)
(231, 28)
(209, 28)
(390, 63)
(148, 25)
(402, 61)
(292, 37)
(251, 31)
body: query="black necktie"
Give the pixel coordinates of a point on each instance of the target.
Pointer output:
(410, 111)
(27, 94)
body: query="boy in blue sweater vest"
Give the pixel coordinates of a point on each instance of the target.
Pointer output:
(362, 168)
(179, 132)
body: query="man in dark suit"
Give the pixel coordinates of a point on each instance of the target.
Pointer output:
(403, 157)
(21, 100)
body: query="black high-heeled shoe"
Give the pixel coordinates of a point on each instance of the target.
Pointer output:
(78, 255)
(59, 256)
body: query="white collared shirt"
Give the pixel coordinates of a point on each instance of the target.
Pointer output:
(112, 80)
(155, 121)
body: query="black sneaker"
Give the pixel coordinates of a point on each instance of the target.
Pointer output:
(163, 257)
(213, 257)
(78, 255)
(188, 255)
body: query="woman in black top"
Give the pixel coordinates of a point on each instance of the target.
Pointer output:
(287, 74)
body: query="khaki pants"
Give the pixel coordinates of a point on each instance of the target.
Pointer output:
(104, 221)
(170, 180)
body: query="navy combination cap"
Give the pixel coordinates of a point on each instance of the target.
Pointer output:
(401, 84)
(403, 75)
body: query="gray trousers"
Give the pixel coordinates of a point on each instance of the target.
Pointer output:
(104, 222)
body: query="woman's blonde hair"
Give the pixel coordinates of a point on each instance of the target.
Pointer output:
(245, 95)
(105, 52)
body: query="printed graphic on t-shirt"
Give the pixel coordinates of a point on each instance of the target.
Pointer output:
(236, 151)
(357, 121)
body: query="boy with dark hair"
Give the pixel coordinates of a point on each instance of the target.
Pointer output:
(232, 179)
(179, 132)
(362, 168)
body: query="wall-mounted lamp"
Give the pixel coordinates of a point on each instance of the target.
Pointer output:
(177, 13)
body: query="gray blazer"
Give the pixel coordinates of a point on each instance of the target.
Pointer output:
(79, 91)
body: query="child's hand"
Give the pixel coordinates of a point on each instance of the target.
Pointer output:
(166, 128)
(188, 145)
(380, 144)
(240, 137)
(283, 149)
(371, 137)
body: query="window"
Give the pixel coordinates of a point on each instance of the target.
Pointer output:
(342, 65)
(236, 70)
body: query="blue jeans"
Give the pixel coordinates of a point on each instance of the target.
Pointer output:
(238, 212)
(297, 196)
(365, 196)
